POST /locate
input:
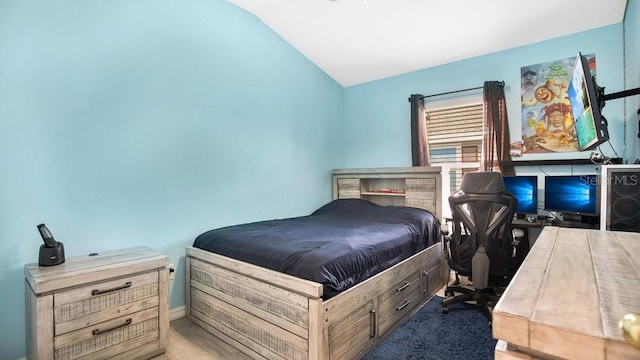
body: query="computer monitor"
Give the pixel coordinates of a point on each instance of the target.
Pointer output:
(586, 100)
(571, 194)
(525, 189)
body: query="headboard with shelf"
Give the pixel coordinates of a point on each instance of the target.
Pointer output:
(419, 186)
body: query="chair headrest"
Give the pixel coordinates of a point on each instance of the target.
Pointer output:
(482, 182)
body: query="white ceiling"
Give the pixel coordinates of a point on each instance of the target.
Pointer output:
(356, 41)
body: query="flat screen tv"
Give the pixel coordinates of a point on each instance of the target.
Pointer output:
(525, 189)
(585, 98)
(572, 194)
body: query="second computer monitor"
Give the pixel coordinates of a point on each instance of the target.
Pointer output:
(575, 194)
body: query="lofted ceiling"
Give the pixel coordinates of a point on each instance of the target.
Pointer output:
(356, 41)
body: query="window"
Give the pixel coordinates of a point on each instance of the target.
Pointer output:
(455, 129)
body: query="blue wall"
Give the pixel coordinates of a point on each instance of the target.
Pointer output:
(377, 124)
(126, 123)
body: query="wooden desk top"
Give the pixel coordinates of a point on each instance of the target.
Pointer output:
(569, 294)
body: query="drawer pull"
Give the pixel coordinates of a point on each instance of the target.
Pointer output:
(98, 331)
(406, 285)
(372, 324)
(100, 292)
(406, 302)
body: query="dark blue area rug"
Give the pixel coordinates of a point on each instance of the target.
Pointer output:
(463, 333)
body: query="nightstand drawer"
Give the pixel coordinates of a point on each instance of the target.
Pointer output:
(93, 304)
(109, 338)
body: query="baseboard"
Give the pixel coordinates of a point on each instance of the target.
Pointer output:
(178, 313)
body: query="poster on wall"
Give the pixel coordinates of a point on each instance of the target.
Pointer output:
(547, 122)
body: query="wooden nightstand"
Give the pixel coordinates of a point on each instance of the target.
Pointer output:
(111, 305)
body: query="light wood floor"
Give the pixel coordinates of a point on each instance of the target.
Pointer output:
(189, 341)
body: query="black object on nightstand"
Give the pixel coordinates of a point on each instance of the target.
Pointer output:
(52, 251)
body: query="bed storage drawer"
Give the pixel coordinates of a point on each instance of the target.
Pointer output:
(398, 301)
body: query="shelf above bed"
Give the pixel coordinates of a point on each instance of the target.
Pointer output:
(419, 187)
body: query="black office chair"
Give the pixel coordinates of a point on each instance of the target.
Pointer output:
(481, 246)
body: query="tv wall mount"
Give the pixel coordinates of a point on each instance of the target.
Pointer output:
(601, 98)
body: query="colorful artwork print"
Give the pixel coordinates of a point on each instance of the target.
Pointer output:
(547, 120)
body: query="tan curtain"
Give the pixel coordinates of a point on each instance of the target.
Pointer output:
(496, 143)
(419, 137)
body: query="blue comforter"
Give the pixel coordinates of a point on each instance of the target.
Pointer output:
(339, 245)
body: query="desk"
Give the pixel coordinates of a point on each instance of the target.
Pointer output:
(575, 224)
(522, 223)
(568, 296)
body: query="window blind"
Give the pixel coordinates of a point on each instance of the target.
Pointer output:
(455, 136)
(455, 124)
(455, 133)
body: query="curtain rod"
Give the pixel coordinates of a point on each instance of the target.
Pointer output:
(457, 91)
(453, 92)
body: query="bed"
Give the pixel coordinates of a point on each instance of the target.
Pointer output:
(323, 298)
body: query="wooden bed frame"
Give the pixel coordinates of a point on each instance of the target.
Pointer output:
(271, 315)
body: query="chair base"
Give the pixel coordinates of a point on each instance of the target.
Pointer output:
(484, 299)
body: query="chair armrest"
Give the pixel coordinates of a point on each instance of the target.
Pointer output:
(444, 229)
(517, 234)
